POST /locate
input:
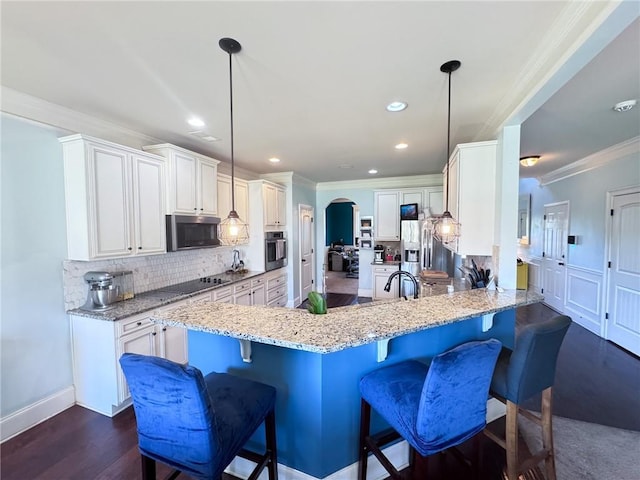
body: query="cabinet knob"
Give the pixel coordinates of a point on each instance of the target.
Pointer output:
(139, 248)
(201, 209)
(139, 323)
(164, 329)
(195, 209)
(129, 248)
(154, 334)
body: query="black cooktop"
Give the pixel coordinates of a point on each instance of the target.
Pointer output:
(195, 285)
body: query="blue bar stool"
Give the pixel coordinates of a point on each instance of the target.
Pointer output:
(433, 407)
(527, 370)
(196, 424)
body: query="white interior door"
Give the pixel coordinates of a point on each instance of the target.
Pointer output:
(623, 322)
(306, 251)
(556, 226)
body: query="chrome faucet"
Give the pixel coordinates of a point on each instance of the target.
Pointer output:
(398, 273)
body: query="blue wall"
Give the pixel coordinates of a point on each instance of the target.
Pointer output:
(339, 223)
(587, 197)
(36, 349)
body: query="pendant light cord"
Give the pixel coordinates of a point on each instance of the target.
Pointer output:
(233, 199)
(448, 144)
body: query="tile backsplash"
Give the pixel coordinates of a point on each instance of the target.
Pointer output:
(149, 272)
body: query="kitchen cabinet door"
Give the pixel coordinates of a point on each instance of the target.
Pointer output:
(208, 198)
(275, 209)
(109, 179)
(142, 342)
(242, 200)
(183, 184)
(412, 196)
(258, 296)
(173, 343)
(149, 205)
(241, 197)
(387, 215)
(432, 199)
(380, 278)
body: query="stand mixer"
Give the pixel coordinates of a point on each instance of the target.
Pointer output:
(106, 288)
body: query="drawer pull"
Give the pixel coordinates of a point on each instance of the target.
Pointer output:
(139, 323)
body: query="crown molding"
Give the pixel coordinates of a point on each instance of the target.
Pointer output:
(563, 40)
(593, 161)
(434, 180)
(304, 182)
(23, 105)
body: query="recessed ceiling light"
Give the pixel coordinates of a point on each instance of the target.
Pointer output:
(624, 106)
(396, 106)
(195, 122)
(401, 146)
(373, 171)
(274, 160)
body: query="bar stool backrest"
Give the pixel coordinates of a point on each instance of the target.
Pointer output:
(453, 403)
(532, 366)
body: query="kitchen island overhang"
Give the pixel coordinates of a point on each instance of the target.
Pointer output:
(316, 361)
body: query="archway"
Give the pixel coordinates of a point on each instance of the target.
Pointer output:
(341, 261)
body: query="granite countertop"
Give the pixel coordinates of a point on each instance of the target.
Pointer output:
(146, 301)
(343, 327)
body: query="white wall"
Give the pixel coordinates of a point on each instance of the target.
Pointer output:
(36, 353)
(586, 193)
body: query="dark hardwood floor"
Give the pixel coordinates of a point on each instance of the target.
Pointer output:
(595, 382)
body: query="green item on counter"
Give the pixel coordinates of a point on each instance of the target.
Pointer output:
(317, 303)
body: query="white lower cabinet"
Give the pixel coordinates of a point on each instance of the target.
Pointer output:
(277, 288)
(250, 292)
(98, 345)
(380, 275)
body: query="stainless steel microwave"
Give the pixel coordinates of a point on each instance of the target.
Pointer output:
(185, 232)
(275, 252)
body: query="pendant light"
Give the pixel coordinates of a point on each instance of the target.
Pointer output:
(232, 230)
(447, 230)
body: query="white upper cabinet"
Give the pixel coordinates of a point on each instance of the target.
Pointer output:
(275, 206)
(472, 194)
(241, 191)
(387, 215)
(114, 198)
(191, 181)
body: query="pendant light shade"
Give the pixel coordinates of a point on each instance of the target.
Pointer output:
(232, 230)
(447, 229)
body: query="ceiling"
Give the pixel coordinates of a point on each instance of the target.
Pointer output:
(313, 78)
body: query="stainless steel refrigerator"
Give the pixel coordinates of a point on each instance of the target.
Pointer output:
(410, 231)
(433, 254)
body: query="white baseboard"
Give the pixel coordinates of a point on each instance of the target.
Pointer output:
(397, 453)
(365, 292)
(30, 416)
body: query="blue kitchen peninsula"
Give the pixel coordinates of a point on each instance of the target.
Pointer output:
(316, 361)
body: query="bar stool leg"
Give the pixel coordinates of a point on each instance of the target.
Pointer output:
(511, 432)
(547, 433)
(148, 468)
(365, 418)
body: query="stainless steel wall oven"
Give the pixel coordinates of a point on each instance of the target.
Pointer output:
(275, 252)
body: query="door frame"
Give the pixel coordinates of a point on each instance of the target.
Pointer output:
(312, 241)
(566, 260)
(604, 323)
